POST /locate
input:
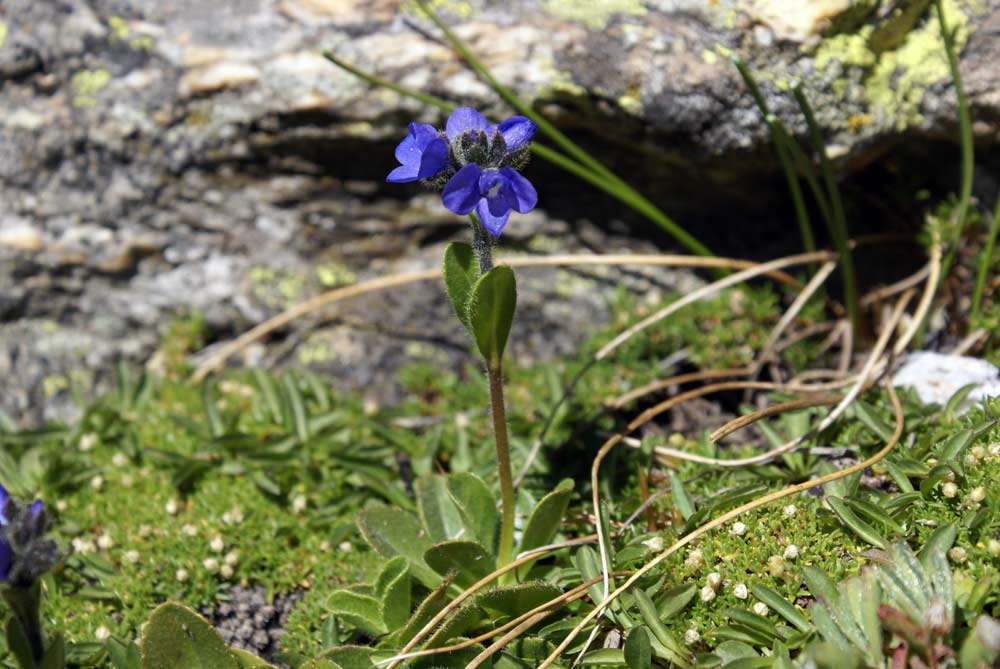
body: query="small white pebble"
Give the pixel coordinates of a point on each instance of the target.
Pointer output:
(132, 556)
(104, 542)
(738, 529)
(760, 608)
(181, 575)
(694, 560)
(97, 482)
(211, 565)
(740, 591)
(88, 441)
(119, 459)
(171, 507)
(102, 633)
(217, 544)
(299, 504)
(790, 510)
(978, 494)
(949, 490)
(713, 580)
(707, 593)
(189, 530)
(232, 557)
(691, 636)
(226, 571)
(791, 552)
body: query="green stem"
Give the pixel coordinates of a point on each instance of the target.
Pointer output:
(482, 244)
(24, 604)
(838, 229)
(985, 261)
(505, 552)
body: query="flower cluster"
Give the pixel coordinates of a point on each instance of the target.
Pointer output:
(25, 552)
(475, 163)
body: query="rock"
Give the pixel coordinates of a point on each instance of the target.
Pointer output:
(162, 158)
(936, 377)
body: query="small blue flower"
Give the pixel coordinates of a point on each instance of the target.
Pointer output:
(25, 552)
(423, 154)
(493, 193)
(475, 163)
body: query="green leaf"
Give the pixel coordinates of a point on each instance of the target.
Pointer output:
(477, 507)
(858, 526)
(874, 513)
(212, 417)
(647, 609)
(297, 407)
(320, 663)
(491, 312)
(468, 560)
(781, 606)
(362, 611)
(350, 657)
(458, 623)
(673, 601)
(392, 587)
(759, 624)
(248, 660)
(17, 642)
(461, 269)
(428, 608)
(681, 498)
(175, 636)
(638, 649)
(604, 657)
(939, 542)
(543, 523)
(55, 654)
(123, 656)
(513, 600)
(437, 511)
(393, 532)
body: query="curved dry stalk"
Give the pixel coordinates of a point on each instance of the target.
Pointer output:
(542, 610)
(970, 340)
(879, 294)
(711, 289)
(767, 350)
(217, 359)
(781, 407)
(729, 515)
(841, 407)
(930, 288)
(661, 384)
(522, 558)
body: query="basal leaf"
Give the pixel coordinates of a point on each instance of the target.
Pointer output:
(477, 507)
(175, 636)
(393, 532)
(468, 560)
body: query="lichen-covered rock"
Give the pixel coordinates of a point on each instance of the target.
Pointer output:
(163, 157)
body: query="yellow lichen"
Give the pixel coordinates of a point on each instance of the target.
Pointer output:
(87, 84)
(334, 274)
(3, 33)
(459, 8)
(119, 29)
(594, 14)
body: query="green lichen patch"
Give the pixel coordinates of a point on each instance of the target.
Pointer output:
(594, 15)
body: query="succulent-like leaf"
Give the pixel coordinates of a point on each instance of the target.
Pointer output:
(461, 269)
(543, 522)
(477, 507)
(491, 312)
(638, 649)
(438, 513)
(175, 636)
(862, 529)
(468, 560)
(393, 532)
(781, 606)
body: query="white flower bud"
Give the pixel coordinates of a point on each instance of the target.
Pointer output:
(654, 544)
(102, 633)
(171, 507)
(88, 441)
(694, 560)
(993, 548)
(791, 552)
(299, 504)
(211, 565)
(97, 482)
(776, 565)
(790, 510)
(740, 591)
(738, 529)
(232, 557)
(978, 494)
(119, 459)
(189, 530)
(226, 571)
(707, 593)
(217, 545)
(132, 556)
(760, 608)
(104, 542)
(691, 636)
(958, 554)
(713, 580)
(949, 490)
(181, 575)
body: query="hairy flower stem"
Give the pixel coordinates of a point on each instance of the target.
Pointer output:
(482, 245)
(505, 553)
(23, 602)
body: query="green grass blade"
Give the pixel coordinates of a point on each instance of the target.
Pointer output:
(985, 261)
(838, 231)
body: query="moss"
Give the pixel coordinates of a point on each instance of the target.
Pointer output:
(595, 14)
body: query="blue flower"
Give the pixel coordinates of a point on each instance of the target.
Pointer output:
(475, 163)
(25, 552)
(422, 153)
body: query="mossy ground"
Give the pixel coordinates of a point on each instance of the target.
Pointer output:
(172, 490)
